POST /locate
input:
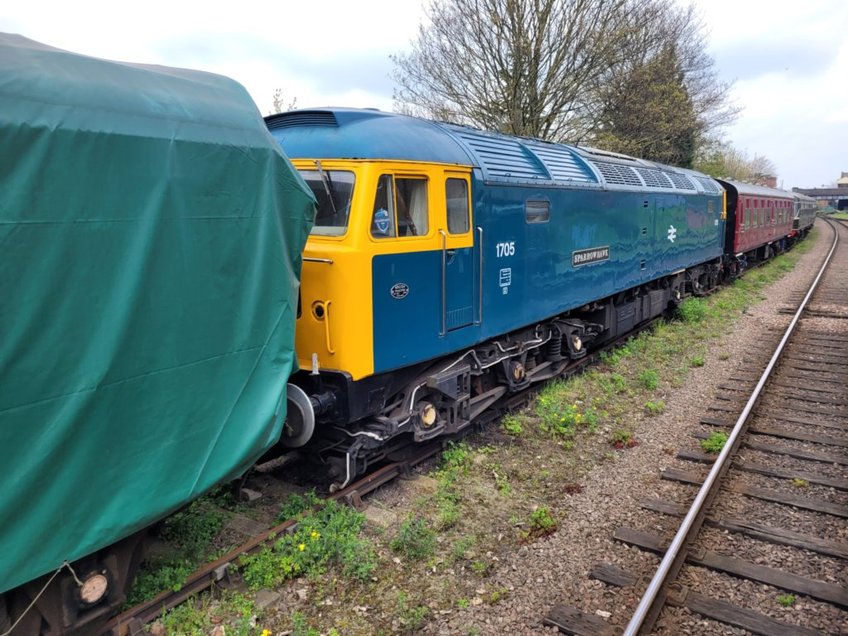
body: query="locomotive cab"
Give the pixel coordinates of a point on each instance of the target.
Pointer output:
(391, 254)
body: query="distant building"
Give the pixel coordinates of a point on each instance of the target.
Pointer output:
(835, 197)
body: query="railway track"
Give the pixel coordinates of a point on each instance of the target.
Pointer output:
(768, 527)
(133, 620)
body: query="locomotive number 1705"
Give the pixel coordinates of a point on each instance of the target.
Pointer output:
(505, 249)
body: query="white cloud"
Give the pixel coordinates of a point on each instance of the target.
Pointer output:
(789, 66)
(335, 52)
(263, 45)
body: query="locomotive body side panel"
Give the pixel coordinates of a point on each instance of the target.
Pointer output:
(454, 237)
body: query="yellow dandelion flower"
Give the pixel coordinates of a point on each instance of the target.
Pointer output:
(315, 535)
(301, 547)
(265, 632)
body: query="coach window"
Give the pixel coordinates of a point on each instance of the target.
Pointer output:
(537, 211)
(456, 194)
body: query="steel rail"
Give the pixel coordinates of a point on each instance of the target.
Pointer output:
(681, 537)
(203, 578)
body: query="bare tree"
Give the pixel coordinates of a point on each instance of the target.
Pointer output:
(723, 161)
(565, 70)
(524, 67)
(279, 104)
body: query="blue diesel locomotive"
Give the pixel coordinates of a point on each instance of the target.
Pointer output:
(449, 267)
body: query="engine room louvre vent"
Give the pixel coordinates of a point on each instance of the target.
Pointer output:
(654, 178)
(708, 185)
(301, 118)
(618, 175)
(503, 157)
(561, 163)
(680, 181)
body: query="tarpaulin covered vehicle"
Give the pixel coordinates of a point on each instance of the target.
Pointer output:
(150, 250)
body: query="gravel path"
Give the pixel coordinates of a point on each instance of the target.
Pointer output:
(555, 570)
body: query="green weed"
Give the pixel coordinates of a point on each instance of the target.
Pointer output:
(412, 616)
(329, 537)
(414, 540)
(198, 617)
(512, 424)
(497, 595)
(479, 567)
(461, 547)
(623, 438)
(542, 523)
(457, 455)
(786, 600)
(560, 416)
(188, 534)
(697, 361)
(692, 310)
(654, 407)
(297, 504)
(649, 379)
(715, 442)
(300, 626)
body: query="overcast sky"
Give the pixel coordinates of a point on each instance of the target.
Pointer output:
(789, 61)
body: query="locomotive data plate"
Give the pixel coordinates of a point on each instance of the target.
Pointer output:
(399, 290)
(592, 255)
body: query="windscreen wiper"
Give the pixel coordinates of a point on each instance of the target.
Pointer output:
(328, 185)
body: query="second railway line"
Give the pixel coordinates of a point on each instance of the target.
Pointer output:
(771, 557)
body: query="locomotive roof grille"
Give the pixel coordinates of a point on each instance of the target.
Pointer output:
(654, 178)
(614, 173)
(708, 184)
(503, 157)
(561, 163)
(680, 181)
(301, 118)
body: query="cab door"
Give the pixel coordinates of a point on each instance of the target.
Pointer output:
(458, 268)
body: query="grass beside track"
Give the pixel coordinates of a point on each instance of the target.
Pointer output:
(432, 545)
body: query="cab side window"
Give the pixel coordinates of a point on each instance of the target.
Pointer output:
(412, 211)
(400, 208)
(456, 193)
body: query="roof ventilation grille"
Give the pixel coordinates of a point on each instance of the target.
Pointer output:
(301, 118)
(654, 178)
(680, 181)
(618, 175)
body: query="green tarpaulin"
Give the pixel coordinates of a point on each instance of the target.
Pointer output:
(150, 239)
